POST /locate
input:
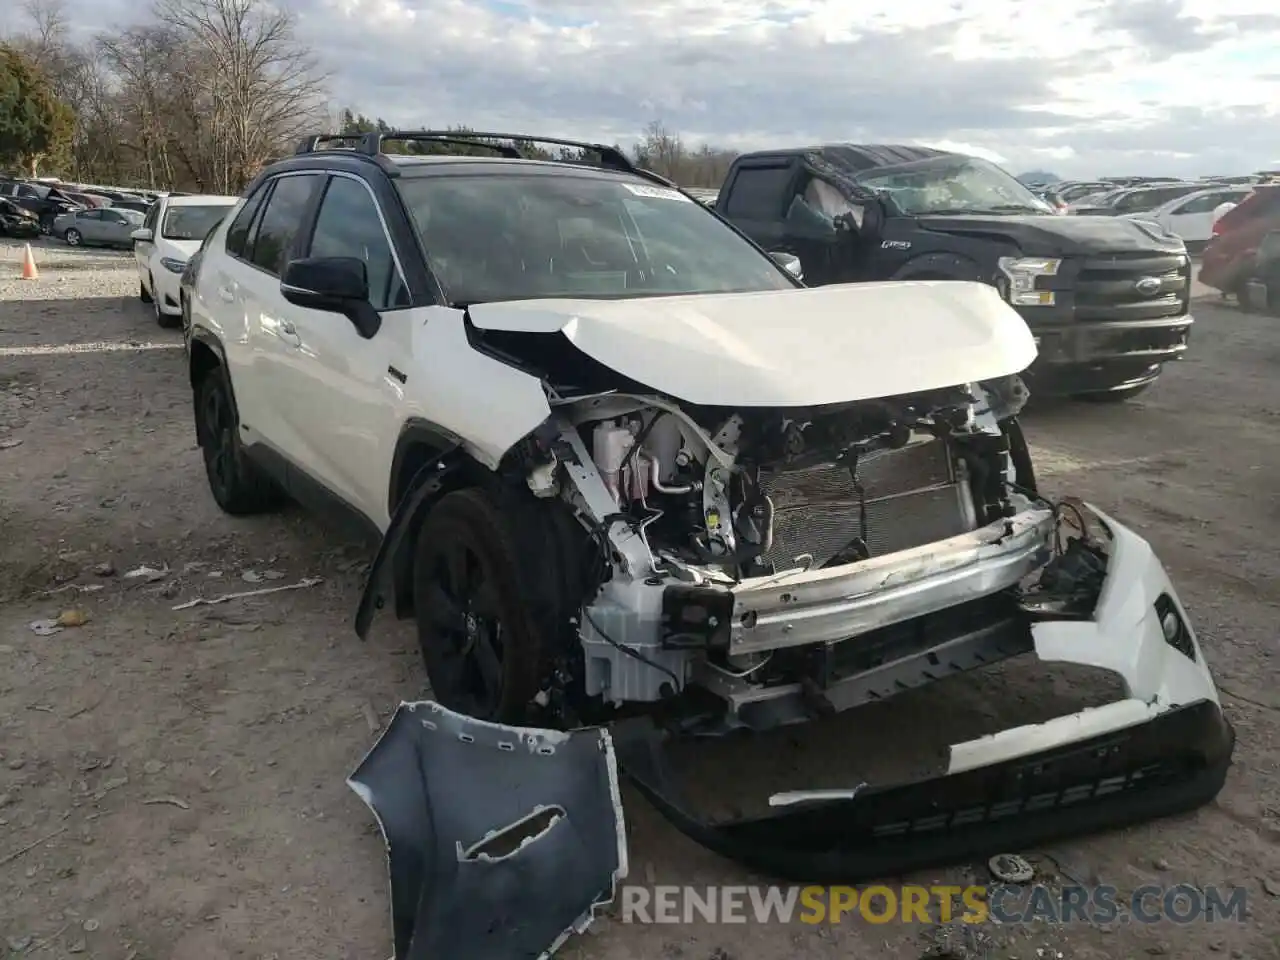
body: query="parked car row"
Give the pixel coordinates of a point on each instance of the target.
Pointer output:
(51, 199)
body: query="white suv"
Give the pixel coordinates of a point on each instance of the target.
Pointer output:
(170, 234)
(616, 456)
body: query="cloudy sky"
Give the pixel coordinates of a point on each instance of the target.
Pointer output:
(1093, 87)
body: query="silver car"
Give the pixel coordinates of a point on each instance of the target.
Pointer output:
(105, 226)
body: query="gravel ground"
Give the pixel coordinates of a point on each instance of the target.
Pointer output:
(179, 775)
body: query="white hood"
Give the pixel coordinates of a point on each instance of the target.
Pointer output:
(803, 347)
(185, 248)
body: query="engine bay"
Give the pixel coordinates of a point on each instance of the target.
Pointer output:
(753, 492)
(694, 513)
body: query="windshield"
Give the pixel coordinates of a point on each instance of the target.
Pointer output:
(536, 236)
(191, 222)
(952, 185)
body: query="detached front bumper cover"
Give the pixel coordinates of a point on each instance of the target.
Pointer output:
(501, 841)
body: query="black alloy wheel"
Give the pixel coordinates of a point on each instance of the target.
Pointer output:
(237, 484)
(479, 641)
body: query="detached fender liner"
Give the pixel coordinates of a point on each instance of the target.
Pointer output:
(501, 841)
(428, 482)
(1173, 763)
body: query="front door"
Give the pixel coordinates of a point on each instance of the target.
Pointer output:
(336, 392)
(143, 249)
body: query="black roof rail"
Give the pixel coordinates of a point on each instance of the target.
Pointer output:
(313, 143)
(370, 144)
(611, 158)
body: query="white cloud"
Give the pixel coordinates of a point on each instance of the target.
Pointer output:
(1097, 87)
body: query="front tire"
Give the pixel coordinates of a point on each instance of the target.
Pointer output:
(143, 294)
(480, 639)
(238, 485)
(163, 320)
(72, 237)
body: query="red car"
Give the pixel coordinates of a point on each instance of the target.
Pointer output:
(1228, 260)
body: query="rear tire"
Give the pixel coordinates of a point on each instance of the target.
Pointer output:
(238, 485)
(480, 636)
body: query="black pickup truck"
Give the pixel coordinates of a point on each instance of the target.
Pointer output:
(1108, 299)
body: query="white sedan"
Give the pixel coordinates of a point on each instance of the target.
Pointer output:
(170, 234)
(1191, 216)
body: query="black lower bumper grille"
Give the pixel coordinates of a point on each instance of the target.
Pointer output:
(1173, 763)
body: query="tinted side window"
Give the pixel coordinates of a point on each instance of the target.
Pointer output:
(758, 193)
(239, 231)
(149, 221)
(281, 221)
(348, 225)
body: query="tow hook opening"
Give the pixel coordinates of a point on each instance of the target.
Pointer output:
(506, 842)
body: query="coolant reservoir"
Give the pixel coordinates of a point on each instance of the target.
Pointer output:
(609, 445)
(663, 445)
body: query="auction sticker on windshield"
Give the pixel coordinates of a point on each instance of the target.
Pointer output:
(657, 193)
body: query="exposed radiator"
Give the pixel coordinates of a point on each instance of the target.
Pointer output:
(911, 496)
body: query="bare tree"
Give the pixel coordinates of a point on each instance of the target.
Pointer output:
(49, 23)
(263, 88)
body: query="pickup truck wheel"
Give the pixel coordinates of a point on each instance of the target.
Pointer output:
(238, 485)
(1115, 396)
(481, 647)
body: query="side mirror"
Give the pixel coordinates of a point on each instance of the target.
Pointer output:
(142, 235)
(807, 223)
(335, 285)
(788, 262)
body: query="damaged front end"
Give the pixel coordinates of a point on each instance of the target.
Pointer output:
(758, 568)
(765, 566)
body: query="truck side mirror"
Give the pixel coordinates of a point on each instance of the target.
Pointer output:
(803, 220)
(788, 262)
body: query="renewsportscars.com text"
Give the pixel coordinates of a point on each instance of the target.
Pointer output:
(1006, 904)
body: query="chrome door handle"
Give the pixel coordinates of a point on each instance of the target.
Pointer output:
(227, 294)
(288, 329)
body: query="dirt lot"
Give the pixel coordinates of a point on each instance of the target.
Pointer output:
(178, 775)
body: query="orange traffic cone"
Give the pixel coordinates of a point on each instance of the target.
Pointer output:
(29, 271)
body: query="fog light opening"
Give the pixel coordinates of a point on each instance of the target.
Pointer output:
(1173, 627)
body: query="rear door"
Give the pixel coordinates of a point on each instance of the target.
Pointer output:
(89, 223)
(116, 227)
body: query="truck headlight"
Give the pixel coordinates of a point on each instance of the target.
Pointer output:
(1020, 275)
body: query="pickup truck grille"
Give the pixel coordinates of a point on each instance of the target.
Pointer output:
(1107, 287)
